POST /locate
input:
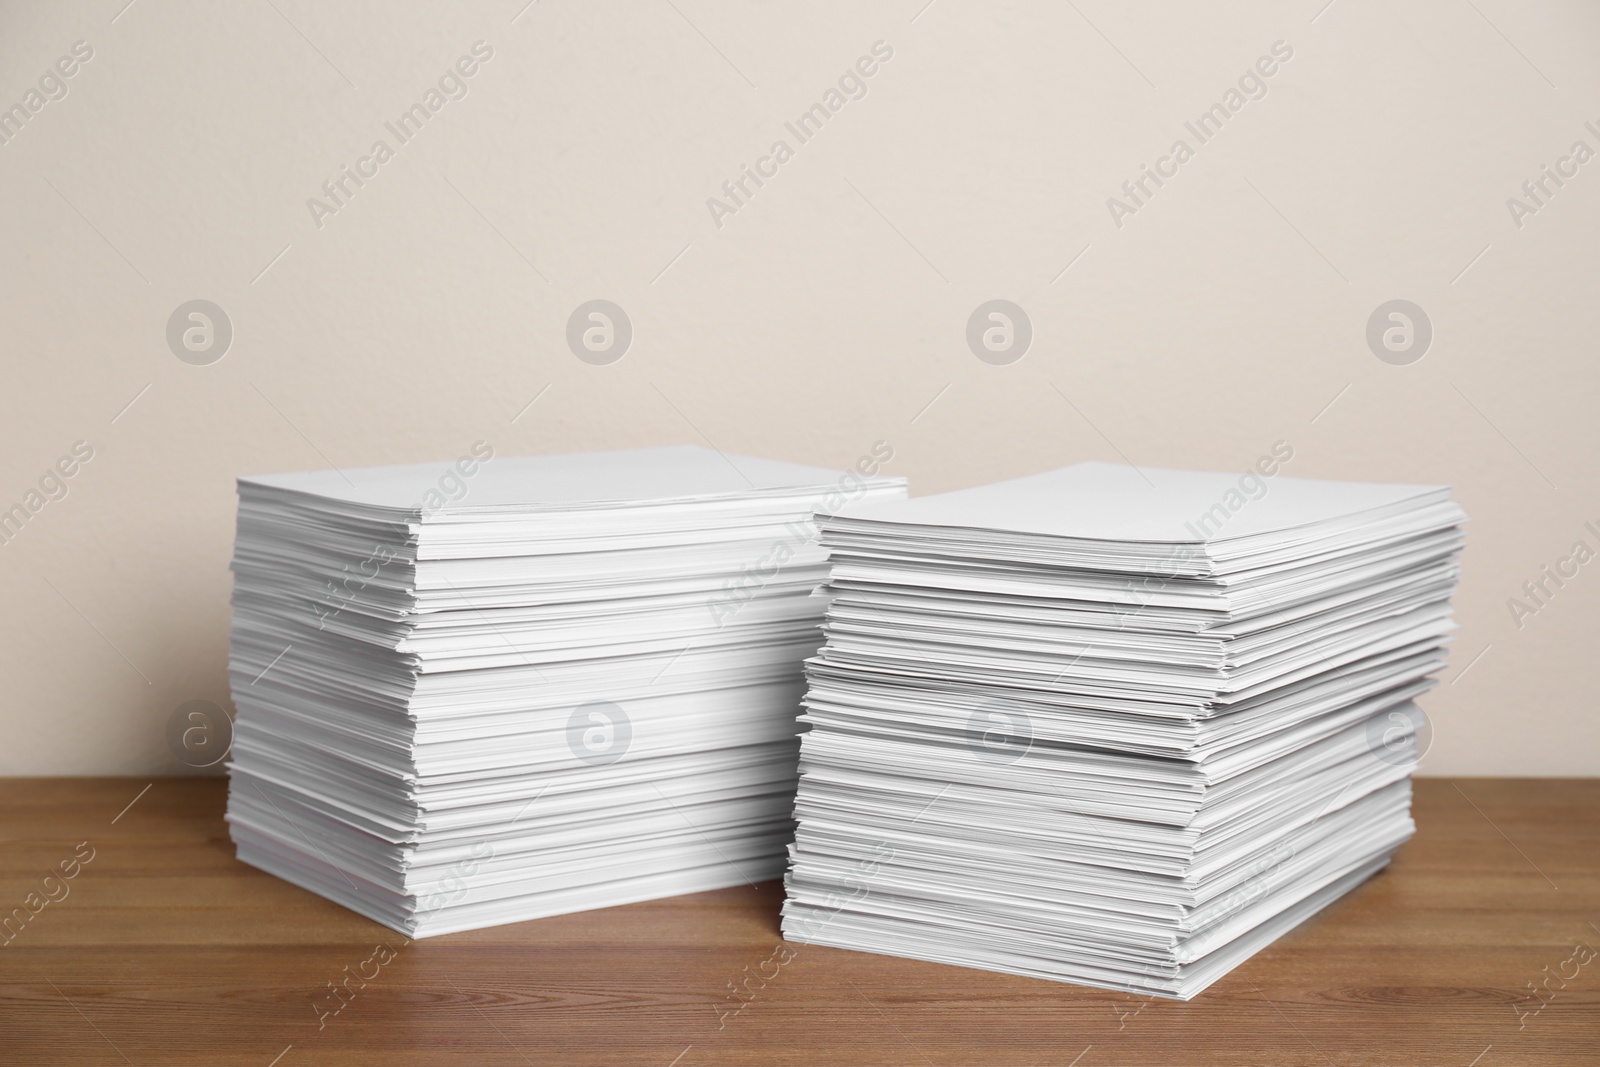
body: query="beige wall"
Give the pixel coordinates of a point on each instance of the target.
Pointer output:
(829, 311)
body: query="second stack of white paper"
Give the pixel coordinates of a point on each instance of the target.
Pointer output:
(1114, 726)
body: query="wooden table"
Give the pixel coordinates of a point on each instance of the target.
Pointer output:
(163, 949)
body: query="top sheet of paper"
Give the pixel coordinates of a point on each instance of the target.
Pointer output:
(672, 473)
(1113, 502)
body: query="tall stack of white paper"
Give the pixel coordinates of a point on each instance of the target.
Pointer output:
(1114, 726)
(488, 691)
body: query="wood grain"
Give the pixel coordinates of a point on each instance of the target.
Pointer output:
(167, 950)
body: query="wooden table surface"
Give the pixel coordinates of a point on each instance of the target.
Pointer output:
(164, 949)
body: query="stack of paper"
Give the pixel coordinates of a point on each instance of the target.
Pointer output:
(1114, 726)
(487, 691)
